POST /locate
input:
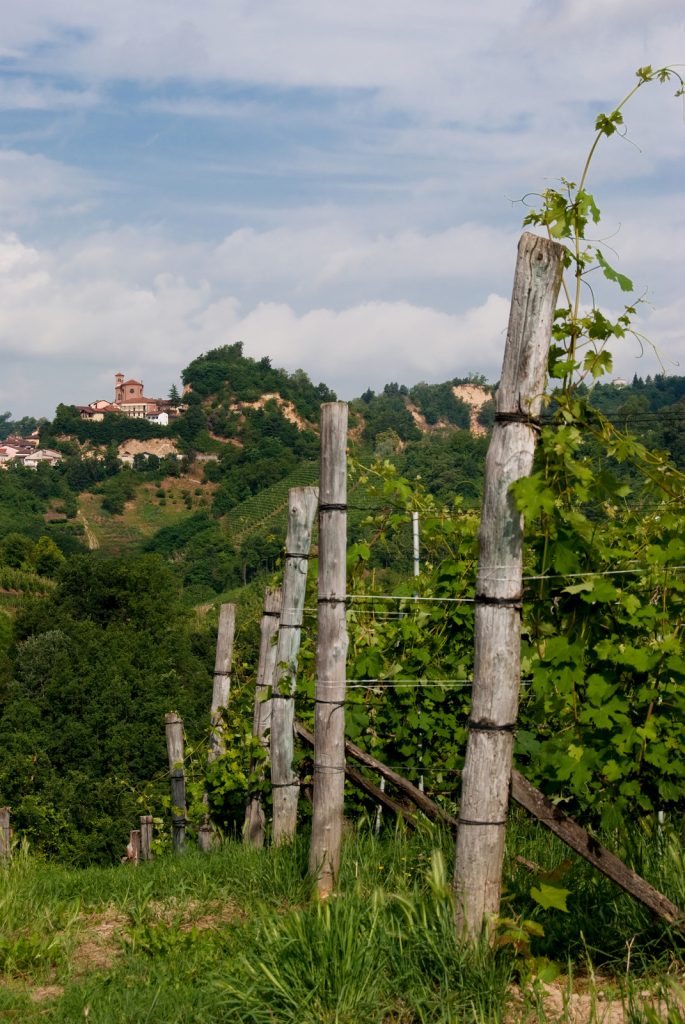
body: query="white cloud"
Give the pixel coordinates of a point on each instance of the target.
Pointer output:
(374, 239)
(123, 300)
(23, 93)
(33, 186)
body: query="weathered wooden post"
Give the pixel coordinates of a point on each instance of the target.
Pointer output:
(146, 837)
(331, 652)
(5, 844)
(301, 511)
(221, 692)
(222, 677)
(254, 814)
(487, 769)
(174, 744)
(134, 847)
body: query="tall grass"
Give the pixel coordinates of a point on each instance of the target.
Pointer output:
(239, 936)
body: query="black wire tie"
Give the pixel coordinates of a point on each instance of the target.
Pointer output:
(295, 554)
(499, 602)
(484, 726)
(517, 417)
(332, 506)
(469, 821)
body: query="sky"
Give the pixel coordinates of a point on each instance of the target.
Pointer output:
(336, 185)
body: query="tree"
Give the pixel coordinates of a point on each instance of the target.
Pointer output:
(47, 557)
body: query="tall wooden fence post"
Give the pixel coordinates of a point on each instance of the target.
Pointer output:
(487, 769)
(253, 833)
(146, 837)
(222, 678)
(174, 744)
(5, 844)
(331, 652)
(301, 511)
(221, 691)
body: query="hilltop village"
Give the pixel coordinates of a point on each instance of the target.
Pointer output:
(129, 400)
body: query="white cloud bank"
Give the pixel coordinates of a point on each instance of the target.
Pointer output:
(127, 301)
(400, 127)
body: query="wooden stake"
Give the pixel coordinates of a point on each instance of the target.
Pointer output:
(487, 769)
(5, 844)
(331, 652)
(146, 837)
(571, 833)
(222, 678)
(419, 799)
(377, 792)
(253, 833)
(221, 690)
(134, 844)
(174, 744)
(301, 510)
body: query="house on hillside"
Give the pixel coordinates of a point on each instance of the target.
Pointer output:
(32, 441)
(96, 410)
(42, 455)
(14, 452)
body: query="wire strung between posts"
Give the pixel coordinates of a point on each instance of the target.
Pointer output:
(361, 684)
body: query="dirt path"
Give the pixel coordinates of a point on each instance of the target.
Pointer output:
(91, 539)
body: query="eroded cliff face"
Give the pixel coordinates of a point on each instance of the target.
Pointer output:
(159, 446)
(475, 397)
(287, 408)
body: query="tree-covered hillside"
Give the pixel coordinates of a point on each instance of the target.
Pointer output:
(102, 564)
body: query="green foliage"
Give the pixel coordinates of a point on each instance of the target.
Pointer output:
(603, 717)
(116, 491)
(98, 662)
(114, 428)
(438, 403)
(565, 213)
(19, 428)
(447, 465)
(388, 412)
(230, 375)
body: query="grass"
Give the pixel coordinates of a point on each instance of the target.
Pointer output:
(142, 517)
(237, 936)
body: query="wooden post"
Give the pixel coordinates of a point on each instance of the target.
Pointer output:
(302, 503)
(331, 652)
(206, 838)
(487, 768)
(146, 837)
(134, 845)
(222, 678)
(254, 814)
(174, 744)
(5, 845)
